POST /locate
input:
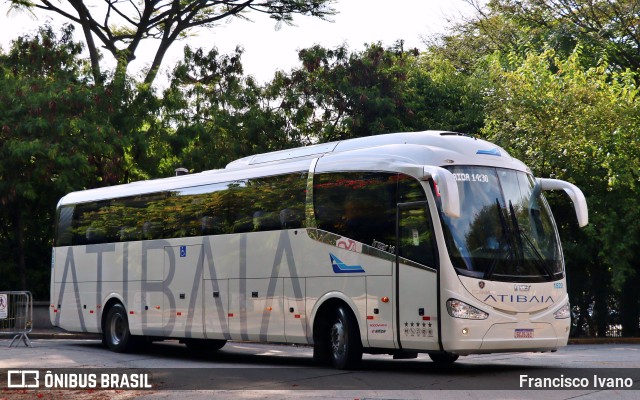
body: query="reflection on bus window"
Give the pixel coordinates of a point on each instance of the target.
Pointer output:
(506, 232)
(250, 205)
(362, 206)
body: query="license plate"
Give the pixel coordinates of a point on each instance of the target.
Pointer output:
(524, 334)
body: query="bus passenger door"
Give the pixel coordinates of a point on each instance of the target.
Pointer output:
(416, 277)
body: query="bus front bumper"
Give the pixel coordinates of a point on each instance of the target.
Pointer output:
(512, 337)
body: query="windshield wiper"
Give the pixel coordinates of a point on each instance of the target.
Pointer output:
(539, 259)
(519, 250)
(505, 239)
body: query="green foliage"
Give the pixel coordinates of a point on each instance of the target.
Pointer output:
(336, 94)
(583, 125)
(219, 114)
(121, 27)
(605, 30)
(53, 139)
(444, 97)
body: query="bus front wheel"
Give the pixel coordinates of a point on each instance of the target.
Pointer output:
(344, 340)
(445, 358)
(116, 332)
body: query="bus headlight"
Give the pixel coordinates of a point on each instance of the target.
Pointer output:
(460, 309)
(563, 312)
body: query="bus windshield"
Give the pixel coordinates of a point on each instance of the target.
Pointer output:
(506, 232)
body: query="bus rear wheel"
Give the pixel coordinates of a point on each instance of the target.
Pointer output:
(116, 334)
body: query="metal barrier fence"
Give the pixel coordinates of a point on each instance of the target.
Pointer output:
(16, 316)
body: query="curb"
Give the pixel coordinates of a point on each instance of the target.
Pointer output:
(64, 335)
(625, 340)
(60, 334)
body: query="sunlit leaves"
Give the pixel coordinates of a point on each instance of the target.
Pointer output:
(581, 124)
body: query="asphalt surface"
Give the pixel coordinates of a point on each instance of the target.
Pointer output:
(250, 370)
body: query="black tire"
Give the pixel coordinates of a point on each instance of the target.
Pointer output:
(204, 345)
(345, 346)
(116, 332)
(445, 358)
(321, 353)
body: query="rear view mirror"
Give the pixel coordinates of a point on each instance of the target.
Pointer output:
(576, 195)
(447, 188)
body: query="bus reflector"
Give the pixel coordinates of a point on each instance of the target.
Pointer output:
(231, 314)
(426, 318)
(90, 311)
(297, 316)
(131, 312)
(370, 317)
(178, 313)
(385, 299)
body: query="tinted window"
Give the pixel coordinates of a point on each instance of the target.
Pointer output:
(417, 239)
(506, 231)
(360, 205)
(64, 233)
(249, 205)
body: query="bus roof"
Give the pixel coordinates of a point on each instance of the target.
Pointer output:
(400, 152)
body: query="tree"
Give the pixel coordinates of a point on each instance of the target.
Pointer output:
(581, 124)
(218, 114)
(561, 93)
(53, 138)
(337, 94)
(120, 26)
(604, 29)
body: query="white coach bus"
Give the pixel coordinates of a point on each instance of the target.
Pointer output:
(407, 243)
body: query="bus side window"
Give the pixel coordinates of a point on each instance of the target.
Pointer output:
(291, 218)
(242, 223)
(90, 223)
(357, 205)
(151, 230)
(95, 235)
(211, 225)
(265, 221)
(417, 238)
(64, 231)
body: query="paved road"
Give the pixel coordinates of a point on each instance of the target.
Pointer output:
(249, 370)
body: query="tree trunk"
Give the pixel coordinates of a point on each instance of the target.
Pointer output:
(582, 317)
(600, 285)
(21, 264)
